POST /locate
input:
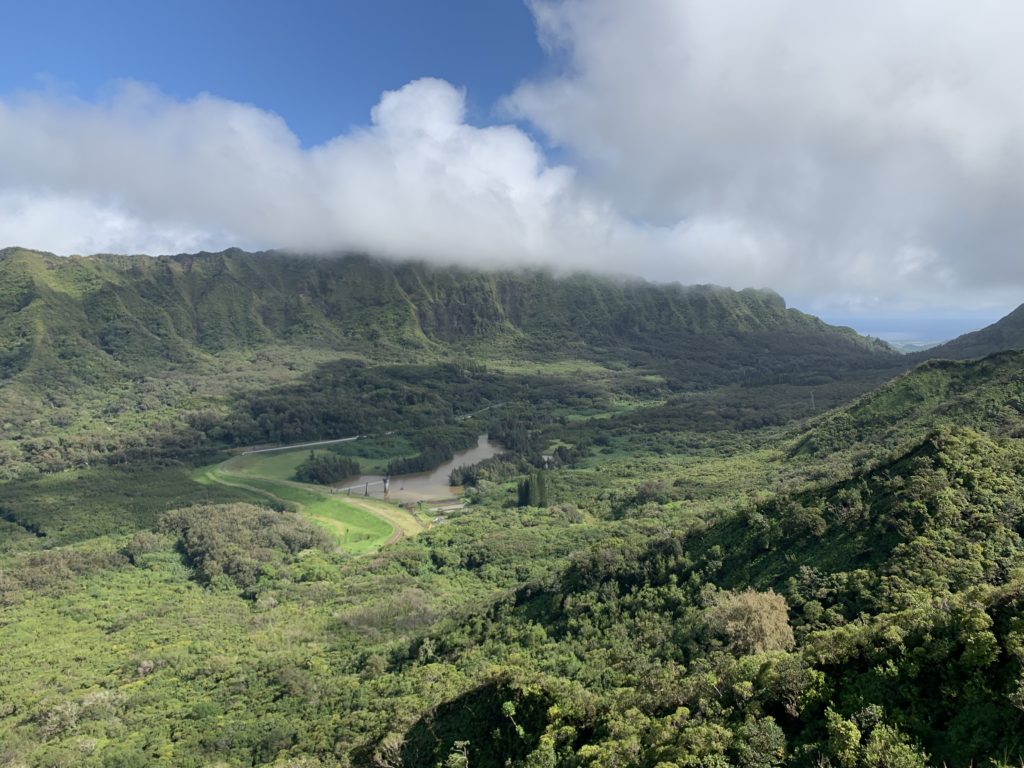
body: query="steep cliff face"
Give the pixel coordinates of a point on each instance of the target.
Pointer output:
(112, 314)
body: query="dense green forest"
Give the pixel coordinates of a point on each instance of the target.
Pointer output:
(722, 533)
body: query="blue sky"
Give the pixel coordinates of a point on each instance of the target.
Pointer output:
(864, 160)
(320, 64)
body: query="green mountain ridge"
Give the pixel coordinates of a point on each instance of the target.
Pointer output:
(140, 309)
(1004, 334)
(986, 394)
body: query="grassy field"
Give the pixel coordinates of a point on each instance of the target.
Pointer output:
(356, 528)
(358, 525)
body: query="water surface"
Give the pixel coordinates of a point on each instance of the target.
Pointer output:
(425, 486)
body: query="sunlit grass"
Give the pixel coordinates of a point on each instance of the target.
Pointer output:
(356, 527)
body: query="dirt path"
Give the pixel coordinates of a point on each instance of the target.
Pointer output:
(216, 478)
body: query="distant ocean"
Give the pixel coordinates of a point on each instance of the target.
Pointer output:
(907, 329)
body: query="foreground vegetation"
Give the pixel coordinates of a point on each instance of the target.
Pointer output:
(682, 560)
(718, 606)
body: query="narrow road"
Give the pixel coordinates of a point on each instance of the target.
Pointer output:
(301, 445)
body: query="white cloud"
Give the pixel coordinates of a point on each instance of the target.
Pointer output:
(145, 173)
(867, 154)
(141, 170)
(868, 150)
(68, 224)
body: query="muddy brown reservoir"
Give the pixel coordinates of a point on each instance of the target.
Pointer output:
(425, 486)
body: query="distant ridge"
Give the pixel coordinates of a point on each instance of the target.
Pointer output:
(1003, 335)
(103, 317)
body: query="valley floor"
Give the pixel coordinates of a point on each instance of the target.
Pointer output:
(673, 565)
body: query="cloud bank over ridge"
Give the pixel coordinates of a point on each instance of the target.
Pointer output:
(868, 154)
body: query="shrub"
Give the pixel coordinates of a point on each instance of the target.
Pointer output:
(326, 468)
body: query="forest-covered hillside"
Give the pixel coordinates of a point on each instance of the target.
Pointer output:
(1007, 333)
(113, 358)
(717, 536)
(987, 394)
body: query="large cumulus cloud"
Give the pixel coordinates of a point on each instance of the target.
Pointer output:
(873, 150)
(140, 170)
(861, 154)
(145, 173)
